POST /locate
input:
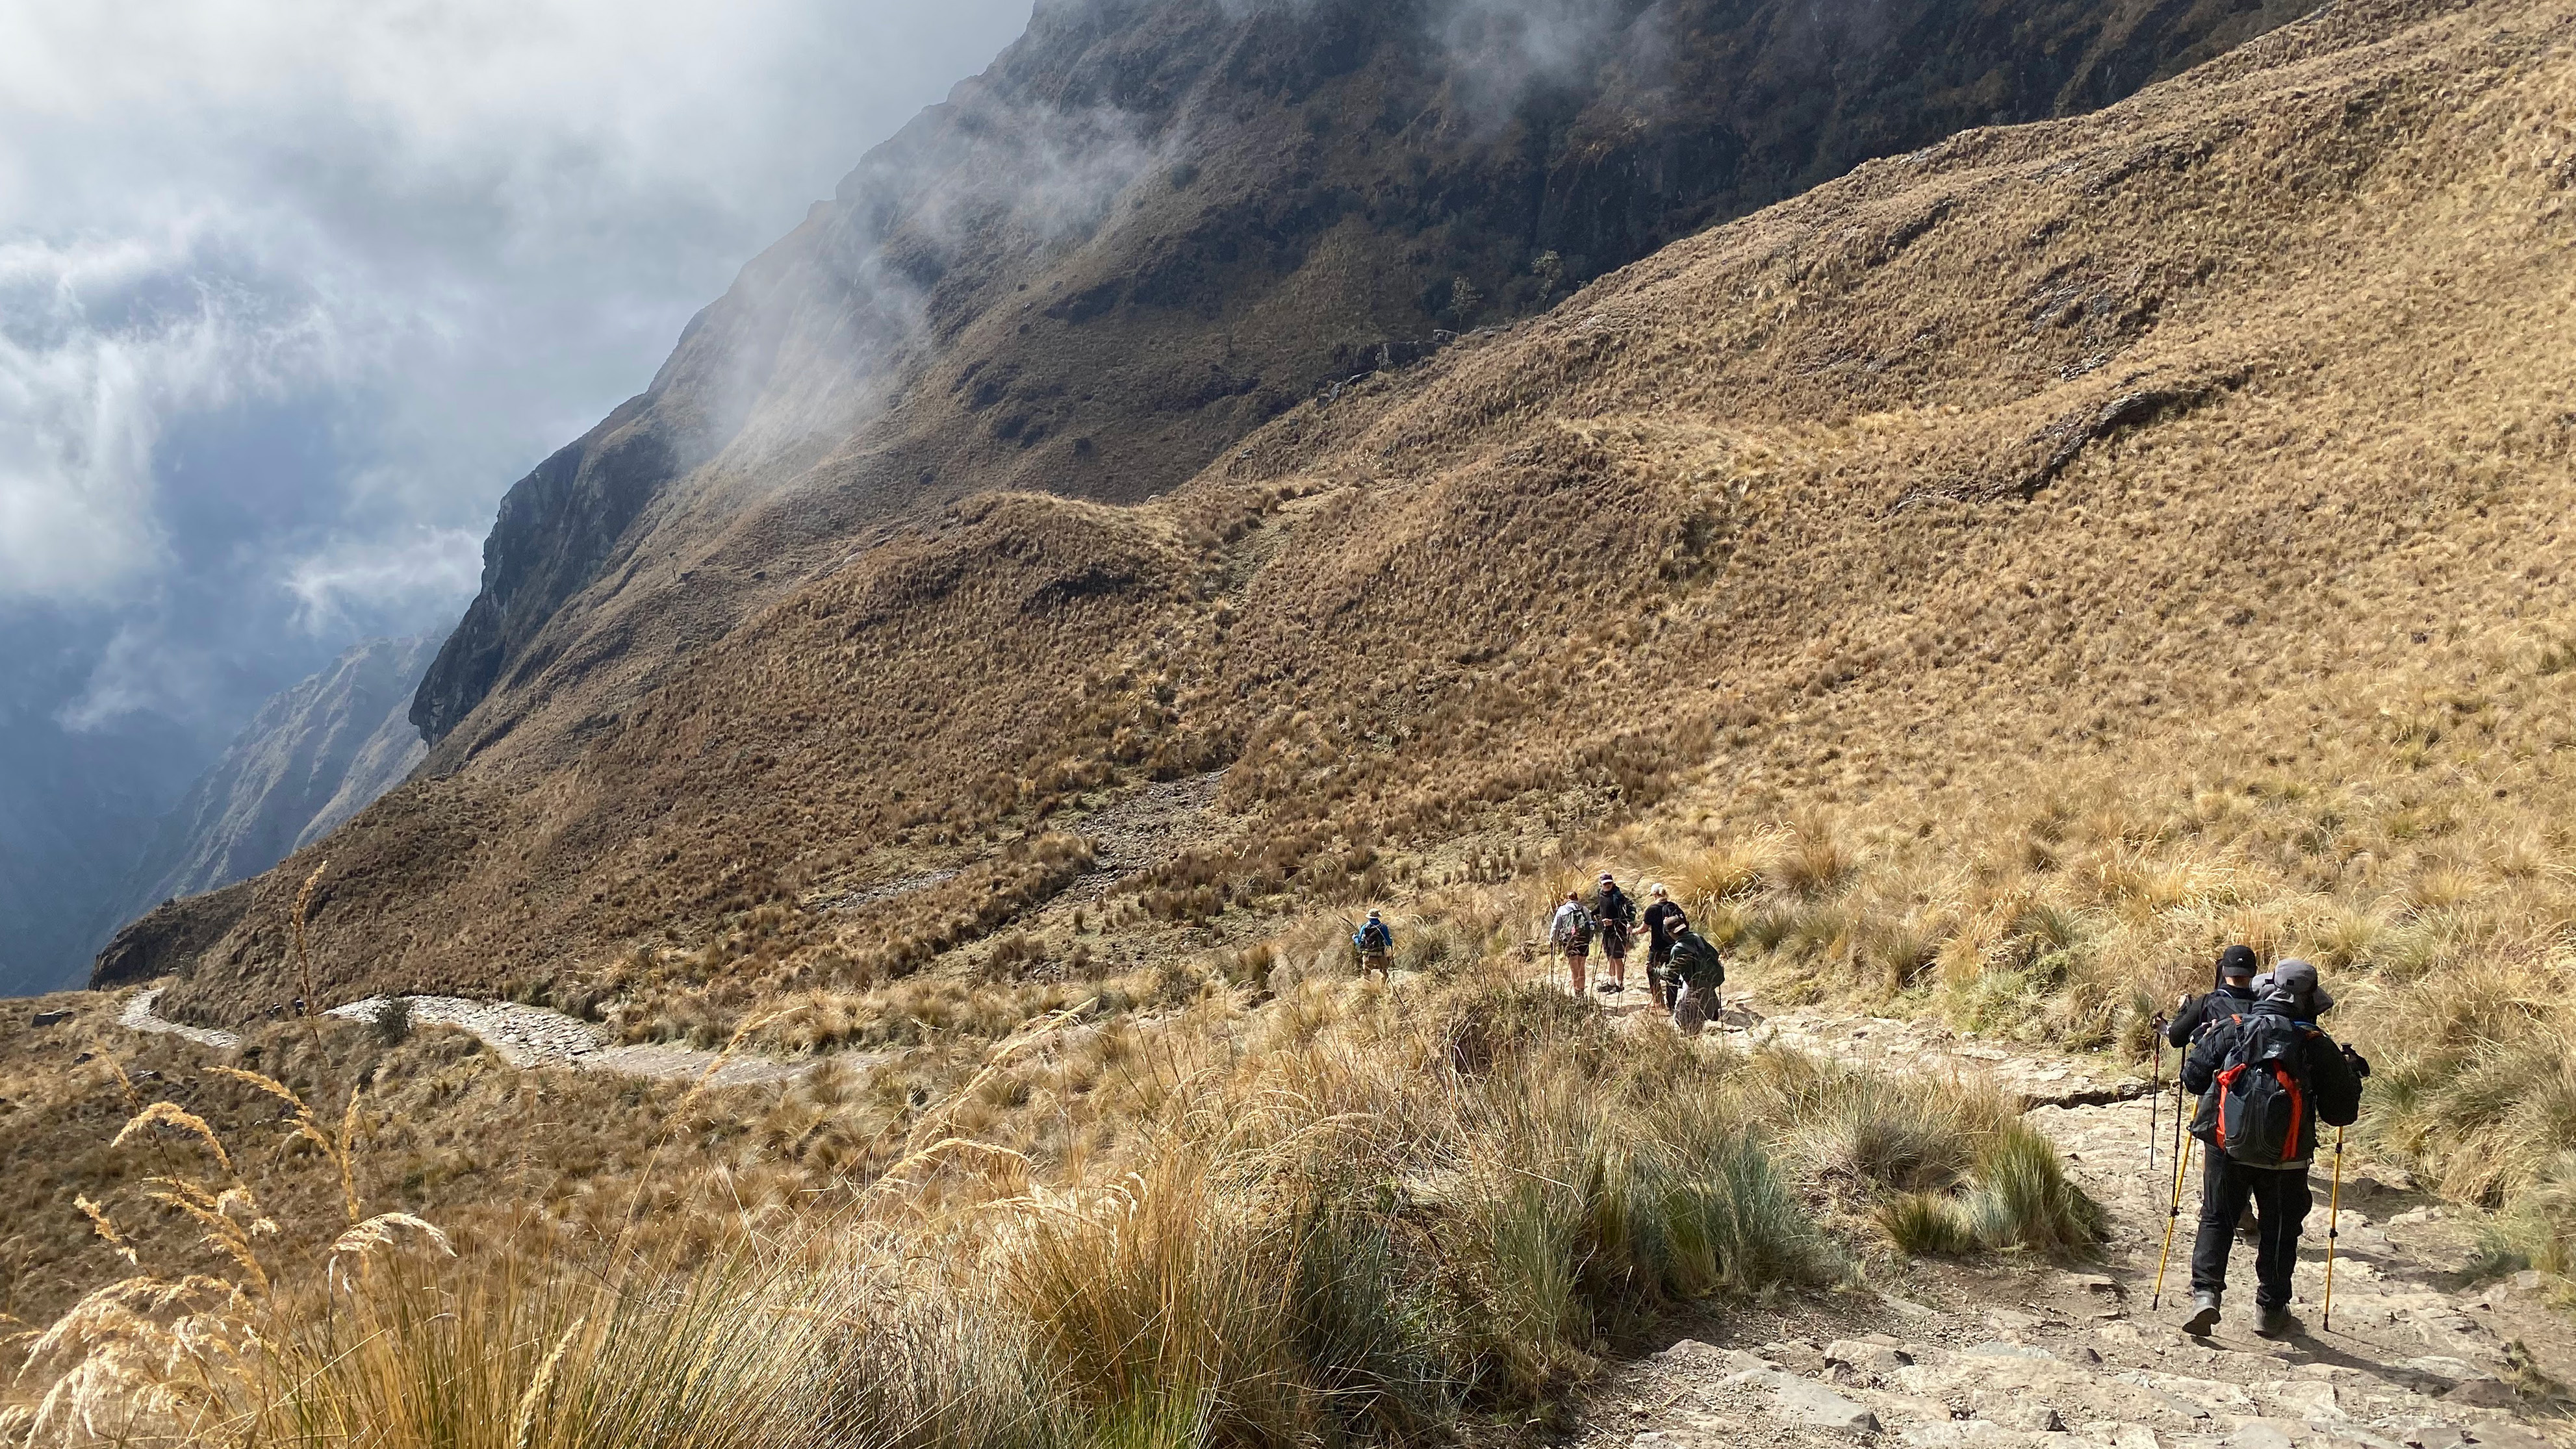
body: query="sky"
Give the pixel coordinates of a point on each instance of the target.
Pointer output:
(291, 291)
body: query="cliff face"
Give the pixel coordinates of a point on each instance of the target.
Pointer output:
(1153, 225)
(314, 756)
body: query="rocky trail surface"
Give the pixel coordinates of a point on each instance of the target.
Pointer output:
(1141, 831)
(523, 1036)
(2071, 1355)
(1130, 835)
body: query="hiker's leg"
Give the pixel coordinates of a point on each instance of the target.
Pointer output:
(1574, 963)
(2223, 1190)
(1619, 972)
(2281, 1205)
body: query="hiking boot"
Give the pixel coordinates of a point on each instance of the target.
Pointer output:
(2204, 1315)
(1609, 988)
(2273, 1322)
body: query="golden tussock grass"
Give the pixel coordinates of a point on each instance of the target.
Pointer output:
(1986, 585)
(1345, 1211)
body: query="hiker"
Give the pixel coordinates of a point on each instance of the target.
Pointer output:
(2233, 993)
(2299, 980)
(1571, 933)
(2266, 1077)
(1661, 917)
(1617, 917)
(1374, 943)
(1699, 976)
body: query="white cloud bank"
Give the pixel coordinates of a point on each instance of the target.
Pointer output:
(291, 290)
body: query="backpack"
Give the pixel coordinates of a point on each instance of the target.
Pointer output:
(1616, 909)
(2256, 1107)
(1373, 939)
(1696, 962)
(1577, 930)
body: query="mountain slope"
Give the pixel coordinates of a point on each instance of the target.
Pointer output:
(313, 756)
(2083, 447)
(1154, 225)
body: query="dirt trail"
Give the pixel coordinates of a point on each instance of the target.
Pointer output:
(2040, 1356)
(523, 1036)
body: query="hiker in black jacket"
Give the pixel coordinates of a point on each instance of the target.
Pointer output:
(1661, 918)
(1699, 979)
(2233, 993)
(2324, 1087)
(1617, 916)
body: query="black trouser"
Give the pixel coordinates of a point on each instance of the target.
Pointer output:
(2281, 1201)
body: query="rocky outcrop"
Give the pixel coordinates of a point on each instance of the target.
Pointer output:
(314, 755)
(1153, 225)
(168, 939)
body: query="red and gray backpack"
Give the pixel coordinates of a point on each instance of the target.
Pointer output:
(2255, 1108)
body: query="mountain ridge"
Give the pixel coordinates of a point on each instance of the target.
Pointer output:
(1294, 187)
(1716, 529)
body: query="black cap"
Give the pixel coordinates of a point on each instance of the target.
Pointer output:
(2236, 961)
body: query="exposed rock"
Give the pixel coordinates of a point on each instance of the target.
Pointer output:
(168, 939)
(2481, 1392)
(1866, 1356)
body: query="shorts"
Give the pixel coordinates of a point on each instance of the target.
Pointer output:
(1616, 948)
(1578, 953)
(1373, 961)
(1659, 953)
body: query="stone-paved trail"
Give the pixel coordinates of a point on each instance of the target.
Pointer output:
(2069, 1356)
(524, 1037)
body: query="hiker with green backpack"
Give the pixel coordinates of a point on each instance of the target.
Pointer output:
(1570, 932)
(2266, 1077)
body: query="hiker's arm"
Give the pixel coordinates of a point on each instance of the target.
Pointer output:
(2186, 1020)
(2197, 1070)
(2338, 1087)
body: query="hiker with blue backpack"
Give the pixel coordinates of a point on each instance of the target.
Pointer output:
(1376, 947)
(2266, 1075)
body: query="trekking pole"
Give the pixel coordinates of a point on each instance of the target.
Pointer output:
(2155, 1099)
(2334, 1227)
(2173, 1212)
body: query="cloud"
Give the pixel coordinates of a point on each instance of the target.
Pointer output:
(1500, 51)
(344, 585)
(140, 672)
(290, 291)
(99, 342)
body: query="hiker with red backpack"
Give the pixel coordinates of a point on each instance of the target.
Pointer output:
(2266, 1077)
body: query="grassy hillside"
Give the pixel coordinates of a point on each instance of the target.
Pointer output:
(1999, 577)
(1981, 586)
